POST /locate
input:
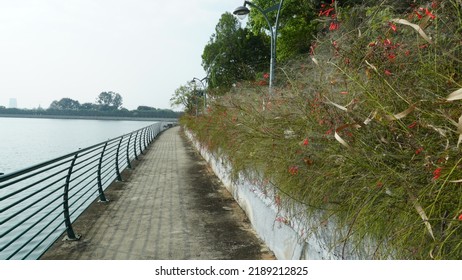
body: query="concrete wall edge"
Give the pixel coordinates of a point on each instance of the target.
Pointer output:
(289, 237)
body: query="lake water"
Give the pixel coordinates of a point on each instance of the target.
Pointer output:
(25, 142)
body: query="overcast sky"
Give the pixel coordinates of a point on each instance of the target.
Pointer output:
(141, 49)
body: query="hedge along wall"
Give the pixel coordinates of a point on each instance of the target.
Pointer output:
(284, 226)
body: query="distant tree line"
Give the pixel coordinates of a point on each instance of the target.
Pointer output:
(108, 104)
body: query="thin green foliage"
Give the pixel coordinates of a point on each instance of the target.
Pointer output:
(361, 131)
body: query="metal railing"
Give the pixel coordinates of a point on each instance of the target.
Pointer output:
(39, 203)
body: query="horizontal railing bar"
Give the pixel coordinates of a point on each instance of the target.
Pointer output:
(109, 178)
(89, 178)
(85, 201)
(25, 231)
(46, 237)
(88, 165)
(70, 155)
(78, 179)
(112, 148)
(25, 208)
(32, 185)
(83, 168)
(108, 165)
(33, 237)
(30, 216)
(34, 174)
(83, 153)
(33, 168)
(91, 183)
(83, 194)
(107, 160)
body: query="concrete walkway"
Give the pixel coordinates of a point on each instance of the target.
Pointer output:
(169, 206)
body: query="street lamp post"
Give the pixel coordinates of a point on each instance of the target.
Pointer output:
(203, 92)
(243, 11)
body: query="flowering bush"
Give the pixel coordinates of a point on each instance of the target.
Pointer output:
(365, 129)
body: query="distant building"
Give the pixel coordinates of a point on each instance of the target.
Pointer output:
(13, 103)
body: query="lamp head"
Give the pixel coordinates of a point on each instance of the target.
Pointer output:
(241, 12)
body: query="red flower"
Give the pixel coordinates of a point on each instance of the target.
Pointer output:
(418, 15)
(460, 217)
(266, 76)
(334, 26)
(387, 72)
(293, 170)
(326, 12)
(412, 125)
(419, 150)
(437, 173)
(262, 83)
(391, 56)
(392, 26)
(429, 14)
(306, 142)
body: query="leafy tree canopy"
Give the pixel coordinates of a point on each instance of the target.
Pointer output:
(233, 54)
(184, 97)
(296, 24)
(109, 100)
(146, 108)
(65, 104)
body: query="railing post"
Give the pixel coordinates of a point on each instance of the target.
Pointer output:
(67, 218)
(141, 140)
(154, 130)
(102, 197)
(119, 177)
(134, 145)
(146, 136)
(128, 151)
(151, 128)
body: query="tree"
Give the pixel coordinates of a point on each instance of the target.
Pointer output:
(187, 96)
(234, 54)
(89, 106)
(109, 100)
(146, 108)
(297, 25)
(65, 104)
